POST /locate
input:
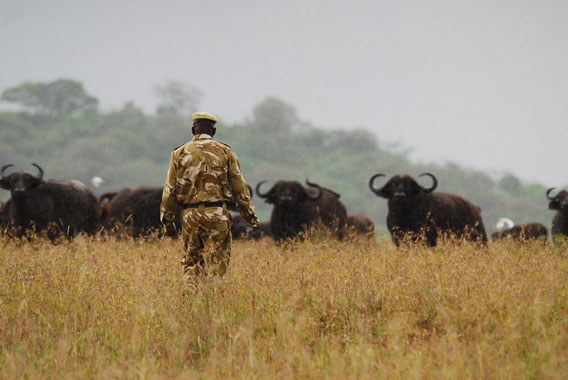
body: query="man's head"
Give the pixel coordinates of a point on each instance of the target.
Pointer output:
(203, 122)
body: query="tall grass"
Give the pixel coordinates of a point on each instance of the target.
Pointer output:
(313, 309)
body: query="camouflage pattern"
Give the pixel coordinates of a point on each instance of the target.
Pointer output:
(203, 225)
(205, 170)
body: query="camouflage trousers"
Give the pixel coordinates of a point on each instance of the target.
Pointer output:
(206, 233)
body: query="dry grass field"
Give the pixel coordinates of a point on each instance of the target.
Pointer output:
(309, 310)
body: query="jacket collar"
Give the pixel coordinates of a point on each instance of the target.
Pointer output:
(202, 136)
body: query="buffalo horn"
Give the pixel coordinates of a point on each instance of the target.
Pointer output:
(548, 194)
(258, 192)
(434, 185)
(3, 169)
(315, 196)
(372, 180)
(40, 175)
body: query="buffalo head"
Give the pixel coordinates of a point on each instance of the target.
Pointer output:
(401, 188)
(19, 183)
(558, 202)
(289, 193)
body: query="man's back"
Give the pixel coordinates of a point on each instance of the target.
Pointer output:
(201, 171)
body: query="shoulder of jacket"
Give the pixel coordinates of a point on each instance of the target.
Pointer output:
(222, 143)
(178, 147)
(187, 144)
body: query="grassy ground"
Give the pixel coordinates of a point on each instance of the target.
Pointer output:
(311, 310)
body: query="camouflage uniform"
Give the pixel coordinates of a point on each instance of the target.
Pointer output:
(205, 170)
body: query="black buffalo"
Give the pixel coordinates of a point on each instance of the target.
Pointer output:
(524, 232)
(416, 212)
(4, 214)
(55, 207)
(134, 210)
(262, 231)
(560, 204)
(360, 225)
(104, 203)
(297, 208)
(240, 230)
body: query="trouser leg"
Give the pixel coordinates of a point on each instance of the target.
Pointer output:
(221, 240)
(194, 246)
(207, 241)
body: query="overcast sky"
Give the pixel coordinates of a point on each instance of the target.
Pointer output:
(480, 83)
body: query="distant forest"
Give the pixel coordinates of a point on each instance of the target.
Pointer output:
(59, 126)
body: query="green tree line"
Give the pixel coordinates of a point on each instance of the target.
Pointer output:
(59, 126)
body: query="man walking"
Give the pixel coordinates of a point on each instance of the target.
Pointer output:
(203, 176)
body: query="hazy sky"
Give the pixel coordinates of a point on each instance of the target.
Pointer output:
(480, 83)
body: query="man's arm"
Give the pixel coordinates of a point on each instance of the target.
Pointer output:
(169, 200)
(241, 195)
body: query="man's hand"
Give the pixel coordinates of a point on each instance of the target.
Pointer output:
(253, 231)
(170, 230)
(252, 228)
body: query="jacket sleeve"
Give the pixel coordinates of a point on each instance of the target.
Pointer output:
(240, 191)
(169, 201)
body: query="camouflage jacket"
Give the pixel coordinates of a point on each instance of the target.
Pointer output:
(205, 170)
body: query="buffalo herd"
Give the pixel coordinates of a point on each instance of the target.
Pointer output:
(415, 213)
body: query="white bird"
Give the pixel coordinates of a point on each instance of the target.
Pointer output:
(504, 224)
(97, 181)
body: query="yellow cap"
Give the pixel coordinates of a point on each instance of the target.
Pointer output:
(203, 115)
